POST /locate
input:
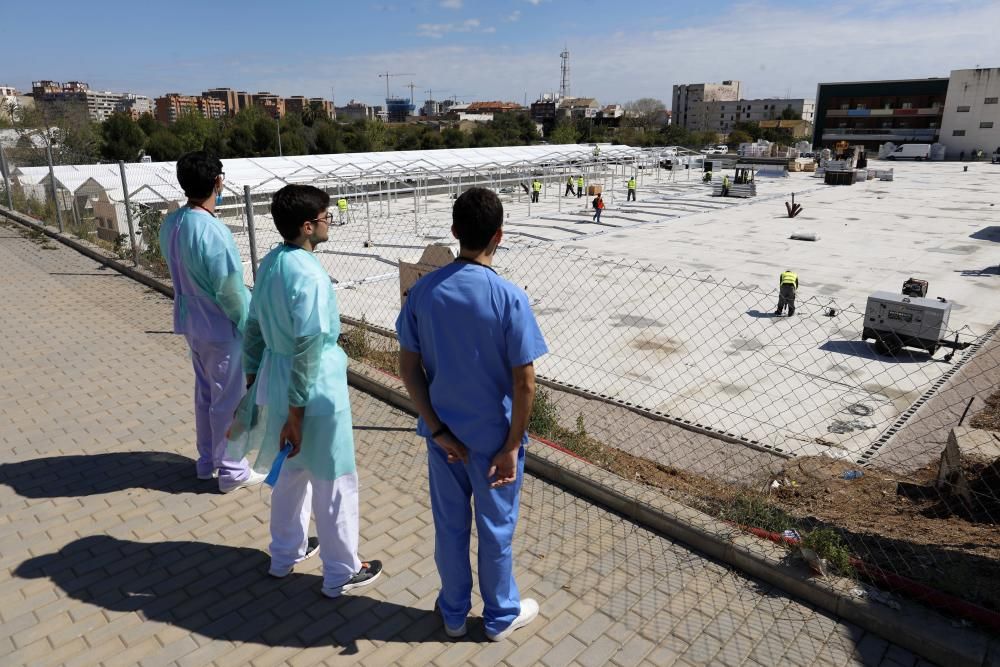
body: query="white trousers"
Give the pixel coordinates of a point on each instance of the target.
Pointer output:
(296, 495)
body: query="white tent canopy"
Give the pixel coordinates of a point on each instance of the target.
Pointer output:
(148, 182)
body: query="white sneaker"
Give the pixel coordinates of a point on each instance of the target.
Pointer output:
(312, 548)
(254, 479)
(529, 610)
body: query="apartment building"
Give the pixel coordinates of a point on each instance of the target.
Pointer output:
(971, 119)
(98, 104)
(273, 104)
(134, 105)
(172, 106)
(722, 117)
(355, 110)
(326, 106)
(229, 98)
(579, 107)
(687, 102)
(296, 104)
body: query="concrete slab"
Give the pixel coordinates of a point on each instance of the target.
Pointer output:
(667, 304)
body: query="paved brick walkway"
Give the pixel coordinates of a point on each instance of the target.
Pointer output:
(112, 553)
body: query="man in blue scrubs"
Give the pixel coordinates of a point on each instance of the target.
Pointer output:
(210, 310)
(469, 340)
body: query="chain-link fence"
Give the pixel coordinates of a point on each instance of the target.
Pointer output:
(826, 427)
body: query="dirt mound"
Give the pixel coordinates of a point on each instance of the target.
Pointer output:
(905, 526)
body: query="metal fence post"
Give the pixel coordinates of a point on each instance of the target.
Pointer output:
(251, 232)
(6, 178)
(128, 214)
(52, 183)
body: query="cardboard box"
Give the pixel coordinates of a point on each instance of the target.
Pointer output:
(434, 257)
(594, 190)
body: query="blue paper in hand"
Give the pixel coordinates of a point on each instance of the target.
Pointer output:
(272, 477)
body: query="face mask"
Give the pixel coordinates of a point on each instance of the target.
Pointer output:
(218, 199)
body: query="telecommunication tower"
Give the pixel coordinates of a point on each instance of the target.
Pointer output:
(564, 79)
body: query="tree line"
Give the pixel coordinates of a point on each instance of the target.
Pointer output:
(252, 132)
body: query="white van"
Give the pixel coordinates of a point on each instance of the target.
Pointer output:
(911, 151)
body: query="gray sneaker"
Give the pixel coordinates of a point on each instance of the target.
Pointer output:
(312, 548)
(366, 576)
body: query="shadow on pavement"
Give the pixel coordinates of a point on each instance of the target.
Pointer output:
(865, 350)
(224, 593)
(92, 474)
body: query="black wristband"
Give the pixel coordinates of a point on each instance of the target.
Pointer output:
(441, 431)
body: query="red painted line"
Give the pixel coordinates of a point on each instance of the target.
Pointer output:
(557, 447)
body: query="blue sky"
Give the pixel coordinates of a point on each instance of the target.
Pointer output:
(505, 49)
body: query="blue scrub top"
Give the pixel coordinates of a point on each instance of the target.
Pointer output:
(471, 328)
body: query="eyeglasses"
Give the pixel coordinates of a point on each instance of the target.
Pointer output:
(328, 218)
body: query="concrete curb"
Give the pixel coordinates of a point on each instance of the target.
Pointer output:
(919, 630)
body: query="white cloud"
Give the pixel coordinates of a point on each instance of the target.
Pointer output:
(451, 4)
(922, 42)
(439, 30)
(514, 17)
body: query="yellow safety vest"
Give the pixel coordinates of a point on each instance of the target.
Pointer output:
(579, 181)
(537, 186)
(788, 278)
(725, 181)
(631, 184)
(342, 204)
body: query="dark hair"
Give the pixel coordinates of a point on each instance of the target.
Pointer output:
(196, 172)
(477, 216)
(295, 205)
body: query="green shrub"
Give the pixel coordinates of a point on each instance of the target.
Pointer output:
(544, 418)
(828, 544)
(753, 510)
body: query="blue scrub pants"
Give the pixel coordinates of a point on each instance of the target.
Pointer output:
(219, 384)
(452, 485)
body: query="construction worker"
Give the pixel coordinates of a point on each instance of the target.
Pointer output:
(569, 186)
(579, 186)
(725, 185)
(536, 189)
(631, 189)
(788, 284)
(342, 210)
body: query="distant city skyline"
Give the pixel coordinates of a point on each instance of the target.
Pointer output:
(502, 50)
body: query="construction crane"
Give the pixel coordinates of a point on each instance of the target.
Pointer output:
(411, 86)
(387, 76)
